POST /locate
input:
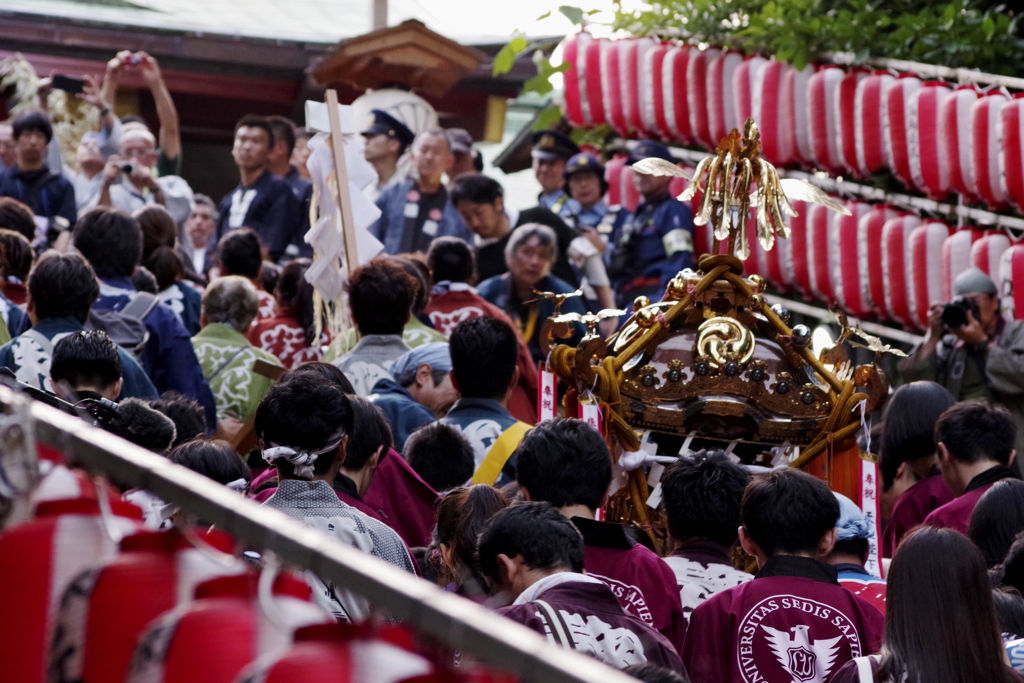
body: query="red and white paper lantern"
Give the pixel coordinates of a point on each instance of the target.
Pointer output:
(1011, 281)
(674, 86)
(850, 282)
(823, 100)
(818, 256)
(621, 190)
(574, 54)
(38, 560)
(1013, 149)
(987, 144)
(956, 138)
(846, 105)
(929, 165)
(631, 59)
(869, 112)
(744, 84)
(896, 126)
(896, 266)
(721, 102)
(594, 103)
(611, 86)
(652, 92)
(770, 113)
(956, 257)
(697, 94)
(800, 257)
(987, 253)
(796, 110)
(926, 243)
(756, 262)
(871, 255)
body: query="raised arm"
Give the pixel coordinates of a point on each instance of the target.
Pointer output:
(170, 133)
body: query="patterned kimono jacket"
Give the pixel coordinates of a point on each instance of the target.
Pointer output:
(227, 358)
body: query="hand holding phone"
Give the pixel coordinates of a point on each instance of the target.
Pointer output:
(70, 85)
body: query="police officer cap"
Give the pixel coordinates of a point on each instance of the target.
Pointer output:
(583, 163)
(645, 149)
(383, 123)
(550, 144)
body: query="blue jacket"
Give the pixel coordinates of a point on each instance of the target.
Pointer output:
(482, 421)
(52, 195)
(31, 363)
(650, 248)
(186, 301)
(303, 191)
(274, 214)
(498, 291)
(404, 414)
(389, 227)
(169, 359)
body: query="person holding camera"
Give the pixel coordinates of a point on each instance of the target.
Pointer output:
(972, 350)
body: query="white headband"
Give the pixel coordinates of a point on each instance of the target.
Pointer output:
(303, 460)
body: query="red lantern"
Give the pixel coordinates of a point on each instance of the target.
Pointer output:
(987, 252)
(593, 106)
(575, 78)
(896, 265)
(822, 286)
(846, 106)
(871, 253)
(929, 165)
(674, 85)
(652, 91)
(631, 59)
(987, 133)
(1011, 281)
(926, 243)
(721, 103)
(823, 98)
(38, 560)
(799, 227)
(849, 274)
(698, 77)
(1013, 149)
(956, 138)
(897, 127)
(611, 87)
(956, 257)
(796, 108)
(770, 113)
(869, 112)
(744, 84)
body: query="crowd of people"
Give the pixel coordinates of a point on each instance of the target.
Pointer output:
(414, 437)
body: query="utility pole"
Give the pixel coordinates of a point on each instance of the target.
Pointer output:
(380, 14)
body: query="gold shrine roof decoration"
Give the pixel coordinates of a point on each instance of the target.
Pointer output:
(712, 358)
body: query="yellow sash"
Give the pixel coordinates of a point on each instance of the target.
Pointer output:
(500, 452)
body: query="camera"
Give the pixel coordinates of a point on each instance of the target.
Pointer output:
(954, 314)
(127, 168)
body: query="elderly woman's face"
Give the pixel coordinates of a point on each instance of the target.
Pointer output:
(531, 262)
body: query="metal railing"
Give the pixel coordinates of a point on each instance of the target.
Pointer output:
(455, 622)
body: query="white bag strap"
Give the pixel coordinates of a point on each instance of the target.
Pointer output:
(864, 669)
(558, 625)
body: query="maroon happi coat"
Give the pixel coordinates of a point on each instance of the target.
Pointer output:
(912, 507)
(792, 623)
(402, 500)
(599, 627)
(643, 584)
(957, 514)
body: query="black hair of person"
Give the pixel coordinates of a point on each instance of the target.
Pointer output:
(381, 294)
(110, 240)
(86, 359)
(17, 217)
(788, 511)
(419, 272)
(212, 458)
(973, 431)
(652, 673)
(476, 188)
(294, 292)
(1009, 606)
(16, 252)
(327, 371)
(537, 532)
(484, 353)
(239, 252)
(1011, 571)
(461, 516)
(36, 121)
(63, 285)
(909, 425)
(270, 273)
(937, 579)
(564, 462)
(257, 121)
(997, 519)
(159, 234)
(856, 547)
(144, 281)
(303, 411)
(186, 414)
(450, 259)
(701, 497)
(441, 455)
(370, 432)
(283, 131)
